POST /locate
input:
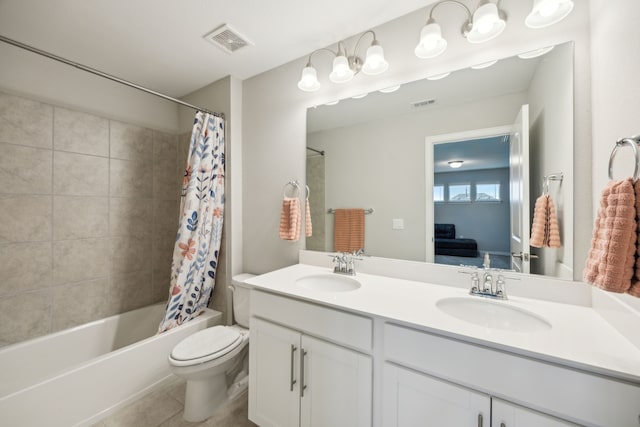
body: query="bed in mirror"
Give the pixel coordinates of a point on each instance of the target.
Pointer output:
(395, 153)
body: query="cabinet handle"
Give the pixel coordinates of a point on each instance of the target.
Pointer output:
(303, 353)
(293, 351)
(479, 420)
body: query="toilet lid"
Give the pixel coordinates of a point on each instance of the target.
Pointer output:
(207, 342)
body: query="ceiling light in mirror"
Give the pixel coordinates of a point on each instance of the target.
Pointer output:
(484, 65)
(488, 23)
(438, 76)
(332, 102)
(456, 164)
(548, 12)
(390, 89)
(535, 53)
(362, 95)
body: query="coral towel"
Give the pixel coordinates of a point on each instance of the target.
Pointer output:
(635, 284)
(611, 261)
(348, 230)
(308, 228)
(544, 229)
(290, 219)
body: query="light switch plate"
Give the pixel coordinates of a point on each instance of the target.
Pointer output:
(398, 224)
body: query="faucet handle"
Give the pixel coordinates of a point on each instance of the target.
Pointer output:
(500, 287)
(475, 282)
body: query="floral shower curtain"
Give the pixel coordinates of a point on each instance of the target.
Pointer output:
(197, 246)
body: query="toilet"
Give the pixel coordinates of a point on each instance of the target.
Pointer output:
(206, 358)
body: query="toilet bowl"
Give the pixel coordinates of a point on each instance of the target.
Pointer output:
(205, 358)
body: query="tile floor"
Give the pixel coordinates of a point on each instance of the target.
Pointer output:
(163, 407)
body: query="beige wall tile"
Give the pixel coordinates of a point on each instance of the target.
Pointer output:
(24, 316)
(76, 260)
(131, 217)
(80, 175)
(25, 218)
(129, 142)
(80, 217)
(66, 312)
(183, 155)
(165, 166)
(131, 178)
(165, 218)
(80, 132)
(129, 254)
(162, 258)
(129, 291)
(25, 122)
(25, 170)
(25, 267)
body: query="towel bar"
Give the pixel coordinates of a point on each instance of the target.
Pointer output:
(633, 142)
(556, 176)
(367, 211)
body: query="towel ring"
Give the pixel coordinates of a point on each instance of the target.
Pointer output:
(633, 142)
(296, 188)
(557, 176)
(308, 191)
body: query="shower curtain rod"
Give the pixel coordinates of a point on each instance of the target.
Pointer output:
(317, 151)
(105, 75)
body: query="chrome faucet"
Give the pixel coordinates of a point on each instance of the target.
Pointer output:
(488, 288)
(345, 262)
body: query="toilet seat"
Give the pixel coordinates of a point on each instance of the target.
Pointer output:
(206, 345)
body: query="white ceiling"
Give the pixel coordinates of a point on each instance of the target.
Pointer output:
(159, 43)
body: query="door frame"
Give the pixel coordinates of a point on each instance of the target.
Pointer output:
(429, 143)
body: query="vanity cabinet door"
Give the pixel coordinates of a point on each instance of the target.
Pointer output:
(274, 396)
(412, 399)
(337, 386)
(507, 414)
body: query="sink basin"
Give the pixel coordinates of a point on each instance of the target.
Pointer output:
(328, 283)
(493, 314)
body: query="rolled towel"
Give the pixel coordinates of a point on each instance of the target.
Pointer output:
(290, 219)
(538, 226)
(308, 228)
(611, 260)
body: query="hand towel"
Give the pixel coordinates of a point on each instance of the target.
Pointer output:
(610, 265)
(544, 228)
(290, 219)
(348, 230)
(634, 289)
(308, 228)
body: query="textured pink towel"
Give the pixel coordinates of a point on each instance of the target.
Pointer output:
(635, 283)
(611, 261)
(290, 219)
(308, 228)
(544, 229)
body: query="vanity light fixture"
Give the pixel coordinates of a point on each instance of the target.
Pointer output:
(535, 53)
(455, 164)
(484, 65)
(332, 102)
(362, 95)
(486, 23)
(346, 66)
(548, 12)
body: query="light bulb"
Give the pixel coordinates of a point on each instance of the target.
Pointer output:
(375, 63)
(548, 12)
(341, 73)
(548, 8)
(431, 42)
(309, 79)
(487, 24)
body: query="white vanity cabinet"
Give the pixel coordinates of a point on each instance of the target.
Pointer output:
(450, 372)
(303, 374)
(413, 399)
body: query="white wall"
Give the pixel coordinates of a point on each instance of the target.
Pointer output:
(551, 115)
(274, 115)
(37, 77)
(381, 165)
(615, 61)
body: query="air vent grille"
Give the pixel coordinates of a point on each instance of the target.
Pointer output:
(424, 102)
(227, 39)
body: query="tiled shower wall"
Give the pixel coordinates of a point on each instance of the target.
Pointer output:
(88, 216)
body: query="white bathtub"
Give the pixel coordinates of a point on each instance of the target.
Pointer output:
(77, 376)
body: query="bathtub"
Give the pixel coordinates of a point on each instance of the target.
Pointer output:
(80, 375)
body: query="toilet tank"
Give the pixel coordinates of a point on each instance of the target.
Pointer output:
(241, 299)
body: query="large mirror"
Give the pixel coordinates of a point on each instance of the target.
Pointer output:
(393, 154)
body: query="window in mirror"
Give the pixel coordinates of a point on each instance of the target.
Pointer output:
(460, 193)
(488, 192)
(438, 193)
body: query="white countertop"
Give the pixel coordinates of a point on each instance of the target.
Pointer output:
(578, 338)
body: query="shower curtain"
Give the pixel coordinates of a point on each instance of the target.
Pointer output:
(197, 246)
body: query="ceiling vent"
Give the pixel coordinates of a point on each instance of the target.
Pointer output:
(423, 103)
(227, 39)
